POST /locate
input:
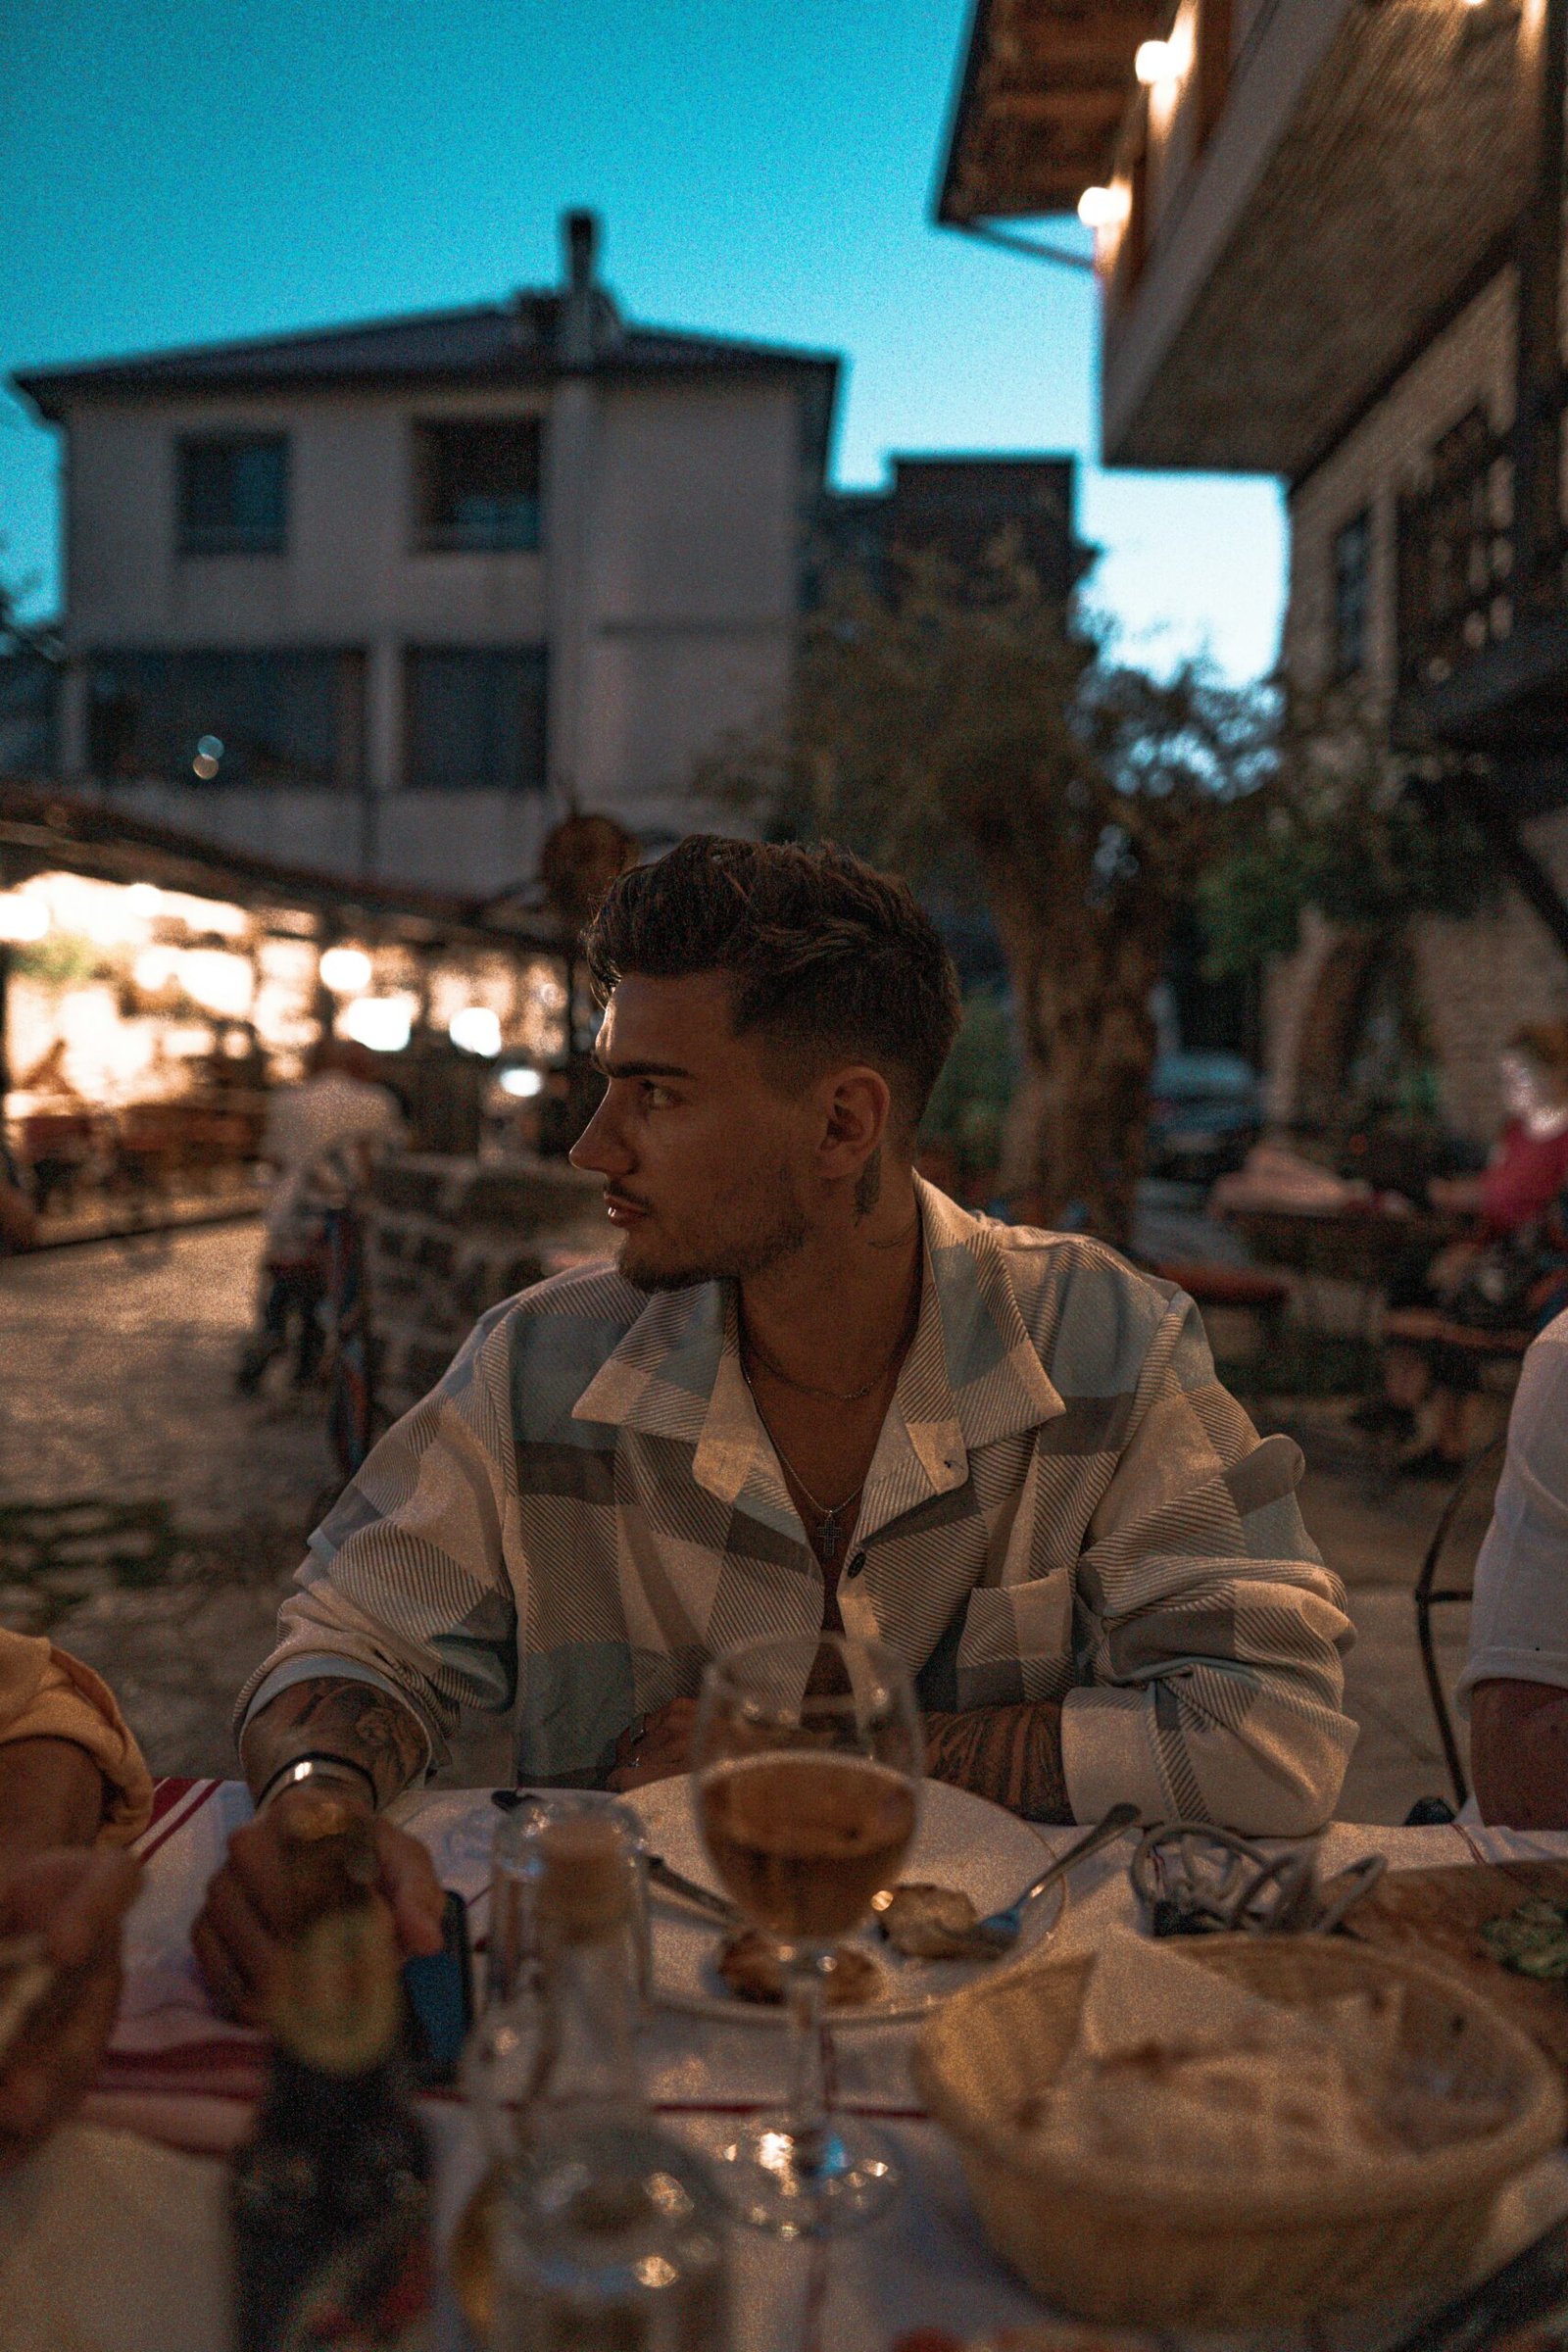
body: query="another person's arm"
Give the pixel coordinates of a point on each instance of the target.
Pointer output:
(1515, 1681)
(73, 1786)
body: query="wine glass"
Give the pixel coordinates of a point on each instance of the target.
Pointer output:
(806, 1759)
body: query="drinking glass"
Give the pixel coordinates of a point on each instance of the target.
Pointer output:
(806, 1759)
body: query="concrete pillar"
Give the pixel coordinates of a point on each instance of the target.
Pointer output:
(383, 744)
(571, 442)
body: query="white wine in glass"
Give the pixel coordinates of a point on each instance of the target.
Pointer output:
(807, 1761)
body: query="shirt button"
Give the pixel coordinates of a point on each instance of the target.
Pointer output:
(856, 1565)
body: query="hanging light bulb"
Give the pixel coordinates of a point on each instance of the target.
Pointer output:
(1154, 61)
(346, 971)
(22, 920)
(1102, 208)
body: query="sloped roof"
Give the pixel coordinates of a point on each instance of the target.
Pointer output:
(525, 340)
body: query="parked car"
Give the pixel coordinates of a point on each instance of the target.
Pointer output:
(1205, 1113)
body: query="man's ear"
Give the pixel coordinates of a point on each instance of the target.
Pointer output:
(857, 1106)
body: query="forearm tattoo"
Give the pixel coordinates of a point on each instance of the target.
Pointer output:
(1010, 1754)
(332, 1716)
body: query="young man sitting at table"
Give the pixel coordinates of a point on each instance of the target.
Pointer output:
(1515, 1681)
(74, 1791)
(811, 1391)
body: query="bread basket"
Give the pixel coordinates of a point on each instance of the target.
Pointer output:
(1117, 2244)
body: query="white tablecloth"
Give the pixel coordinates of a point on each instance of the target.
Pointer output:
(153, 2217)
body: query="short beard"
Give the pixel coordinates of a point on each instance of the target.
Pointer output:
(742, 1262)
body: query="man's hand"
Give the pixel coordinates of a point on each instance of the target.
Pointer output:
(659, 1749)
(239, 1932)
(75, 1901)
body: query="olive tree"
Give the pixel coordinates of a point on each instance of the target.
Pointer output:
(958, 730)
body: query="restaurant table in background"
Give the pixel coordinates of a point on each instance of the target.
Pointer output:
(107, 2241)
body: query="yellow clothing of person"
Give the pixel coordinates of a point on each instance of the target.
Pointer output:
(47, 1695)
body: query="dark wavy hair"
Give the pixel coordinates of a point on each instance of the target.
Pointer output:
(824, 955)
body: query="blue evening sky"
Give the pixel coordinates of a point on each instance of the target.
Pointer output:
(188, 169)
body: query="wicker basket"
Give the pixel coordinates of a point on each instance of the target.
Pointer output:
(1111, 2244)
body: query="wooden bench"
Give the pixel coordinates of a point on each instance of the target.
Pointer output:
(1428, 1327)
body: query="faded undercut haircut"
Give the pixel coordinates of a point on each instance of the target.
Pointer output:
(824, 955)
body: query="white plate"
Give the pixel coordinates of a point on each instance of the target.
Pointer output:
(963, 1842)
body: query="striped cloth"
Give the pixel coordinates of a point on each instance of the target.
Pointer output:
(1063, 1505)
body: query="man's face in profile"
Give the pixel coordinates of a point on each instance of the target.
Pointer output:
(706, 1157)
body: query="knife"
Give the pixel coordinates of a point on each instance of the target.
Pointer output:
(674, 1882)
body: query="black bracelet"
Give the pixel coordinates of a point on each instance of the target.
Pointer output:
(320, 1756)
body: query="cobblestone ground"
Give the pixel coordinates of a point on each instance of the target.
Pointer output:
(189, 1507)
(149, 1517)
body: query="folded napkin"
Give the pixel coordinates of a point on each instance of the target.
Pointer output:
(1183, 2071)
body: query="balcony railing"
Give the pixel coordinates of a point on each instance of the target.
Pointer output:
(1474, 593)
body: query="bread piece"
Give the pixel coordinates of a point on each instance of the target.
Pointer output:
(926, 1922)
(750, 1965)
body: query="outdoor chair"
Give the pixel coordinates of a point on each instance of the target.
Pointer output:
(1429, 1595)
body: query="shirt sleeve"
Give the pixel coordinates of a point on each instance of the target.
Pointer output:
(47, 1695)
(1208, 1633)
(1519, 1623)
(406, 1582)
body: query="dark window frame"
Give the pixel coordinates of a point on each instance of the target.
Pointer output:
(490, 516)
(434, 676)
(1351, 562)
(290, 718)
(196, 535)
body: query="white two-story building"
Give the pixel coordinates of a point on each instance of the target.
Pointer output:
(1330, 241)
(392, 599)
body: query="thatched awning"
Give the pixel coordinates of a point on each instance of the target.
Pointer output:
(1045, 87)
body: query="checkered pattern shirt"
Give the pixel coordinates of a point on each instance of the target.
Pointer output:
(1063, 1505)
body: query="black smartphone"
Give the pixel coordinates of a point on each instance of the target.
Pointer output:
(440, 1998)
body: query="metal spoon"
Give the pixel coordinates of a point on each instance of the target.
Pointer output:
(990, 1938)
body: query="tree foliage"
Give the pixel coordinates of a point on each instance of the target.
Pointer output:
(957, 730)
(1369, 835)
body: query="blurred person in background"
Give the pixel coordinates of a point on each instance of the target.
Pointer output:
(319, 1140)
(1509, 1274)
(18, 1219)
(74, 1794)
(1515, 1682)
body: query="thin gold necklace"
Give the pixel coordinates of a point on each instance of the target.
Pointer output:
(825, 1535)
(806, 1387)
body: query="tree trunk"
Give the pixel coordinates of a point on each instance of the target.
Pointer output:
(1074, 1143)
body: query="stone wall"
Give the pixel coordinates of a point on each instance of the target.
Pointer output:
(450, 1238)
(1481, 979)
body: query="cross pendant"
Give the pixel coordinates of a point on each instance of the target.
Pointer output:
(827, 1536)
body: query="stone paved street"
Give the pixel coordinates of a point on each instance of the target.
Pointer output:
(117, 1394)
(117, 1390)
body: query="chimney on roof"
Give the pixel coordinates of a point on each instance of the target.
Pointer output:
(581, 237)
(589, 323)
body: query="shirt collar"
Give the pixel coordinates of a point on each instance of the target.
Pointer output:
(972, 1375)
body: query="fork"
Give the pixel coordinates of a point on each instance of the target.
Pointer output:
(998, 1934)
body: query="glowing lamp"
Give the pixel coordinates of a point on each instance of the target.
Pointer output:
(345, 971)
(383, 1023)
(1102, 208)
(476, 1030)
(22, 920)
(521, 1082)
(1154, 61)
